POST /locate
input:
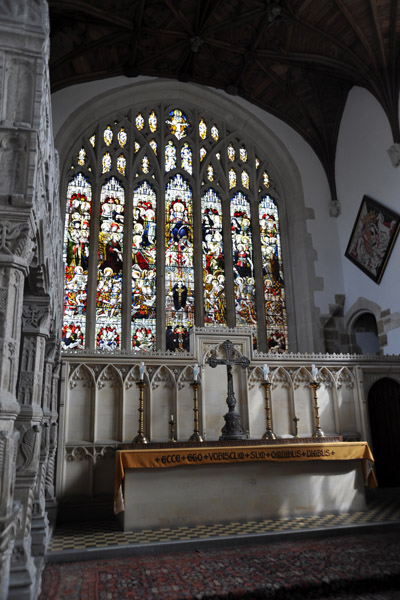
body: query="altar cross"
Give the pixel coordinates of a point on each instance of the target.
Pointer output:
(232, 429)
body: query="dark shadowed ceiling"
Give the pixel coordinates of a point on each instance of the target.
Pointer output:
(297, 59)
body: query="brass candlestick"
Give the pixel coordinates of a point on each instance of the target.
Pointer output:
(195, 437)
(269, 434)
(172, 429)
(317, 431)
(296, 420)
(140, 438)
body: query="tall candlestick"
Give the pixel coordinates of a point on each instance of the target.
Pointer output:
(314, 372)
(195, 372)
(141, 367)
(266, 371)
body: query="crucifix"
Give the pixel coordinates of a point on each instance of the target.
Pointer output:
(232, 429)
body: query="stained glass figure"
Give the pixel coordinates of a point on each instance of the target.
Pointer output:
(153, 122)
(178, 123)
(243, 270)
(108, 135)
(139, 122)
(121, 164)
(76, 257)
(243, 154)
(81, 158)
(232, 178)
(274, 292)
(202, 129)
(170, 156)
(266, 179)
(109, 266)
(231, 153)
(245, 179)
(153, 146)
(106, 162)
(213, 259)
(179, 271)
(186, 158)
(145, 164)
(215, 133)
(143, 313)
(92, 141)
(210, 173)
(137, 147)
(122, 137)
(203, 153)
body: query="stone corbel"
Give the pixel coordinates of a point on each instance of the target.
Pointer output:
(394, 154)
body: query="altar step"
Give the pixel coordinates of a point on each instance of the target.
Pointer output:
(101, 539)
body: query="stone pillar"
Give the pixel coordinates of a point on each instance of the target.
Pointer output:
(15, 253)
(51, 503)
(29, 423)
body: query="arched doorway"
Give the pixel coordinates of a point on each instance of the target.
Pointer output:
(365, 333)
(384, 419)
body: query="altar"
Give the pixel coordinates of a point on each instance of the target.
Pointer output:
(184, 486)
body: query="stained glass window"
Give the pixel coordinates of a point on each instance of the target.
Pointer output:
(170, 156)
(108, 135)
(121, 164)
(213, 259)
(274, 291)
(144, 268)
(109, 266)
(202, 129)
(172, 159)
(243, 268)
(179, 271)
(178, 123)
(122, 137)
(139, 122)
(186, 158)
(153, 122)
(76, 260)
(232, 178)
(153, 146)
(107, 162)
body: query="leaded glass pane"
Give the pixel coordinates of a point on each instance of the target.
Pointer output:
(203, 153)
(274, 292)
(232, 178)
(106, 162)
(245, 179)
(257, 163)
(202, 129)
(215, 133)
(92, 141)
(76, 257)
(81, 158)
(243, 154)
(210, 173)
(213, 259)
(170, 156)
(121, 164)
(153, 146)
(243, 270)
(145, 164)
(218, 155)
(109, 266)
(266, 179)
(108, 135)
(137, 147)
(186, 158)
(144, 268)
(231, 153)
(139, 122)
(153, 122)
(178, 123)
(179, 272)
(122, 137)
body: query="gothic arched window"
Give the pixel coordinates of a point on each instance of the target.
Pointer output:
(170, 223)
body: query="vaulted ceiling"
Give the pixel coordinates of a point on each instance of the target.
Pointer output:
(297, 59)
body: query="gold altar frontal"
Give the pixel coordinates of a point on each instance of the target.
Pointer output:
(174, 486)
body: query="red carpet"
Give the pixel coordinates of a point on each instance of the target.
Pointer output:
(362, 567)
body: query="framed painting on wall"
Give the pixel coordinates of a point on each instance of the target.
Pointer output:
(372, 239)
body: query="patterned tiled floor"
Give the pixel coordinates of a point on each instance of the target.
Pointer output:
(382, 508)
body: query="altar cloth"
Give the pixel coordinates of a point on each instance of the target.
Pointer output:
(159, 458)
